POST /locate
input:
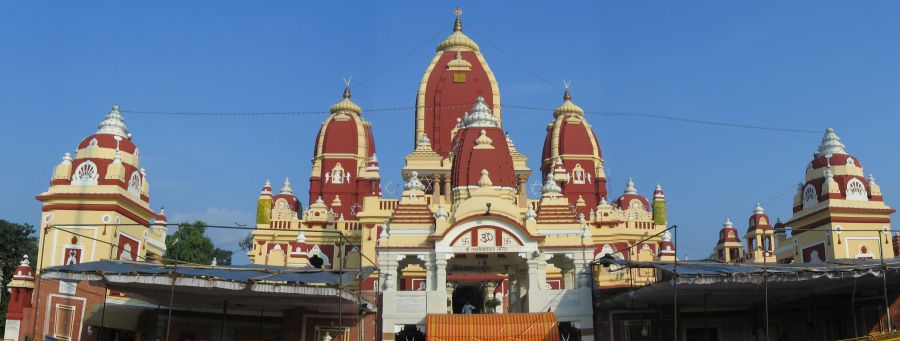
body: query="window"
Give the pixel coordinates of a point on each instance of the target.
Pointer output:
(85, 174)
(856, 190)
(809, 196)
(134, 184)
(65, 322)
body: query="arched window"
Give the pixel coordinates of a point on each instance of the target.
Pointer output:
(85, 174)
(134, 184)
(809, 196)
(856, 190)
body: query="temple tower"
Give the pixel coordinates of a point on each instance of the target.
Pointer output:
(20, 287)
(572, 155)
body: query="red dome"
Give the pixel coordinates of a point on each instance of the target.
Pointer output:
(759, 220)
(481, 145)
(630, 197)
(109, 141)
(470, 159)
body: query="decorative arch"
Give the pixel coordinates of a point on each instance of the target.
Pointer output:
(134, 184)
(86, 174)
(856, 190)
(317, 251)
(810, 197)
(486, 235)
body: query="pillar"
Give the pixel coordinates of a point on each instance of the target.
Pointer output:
(523, 192)
(448, 193)
(436, 190)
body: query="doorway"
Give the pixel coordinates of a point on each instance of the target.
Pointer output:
(468, 294)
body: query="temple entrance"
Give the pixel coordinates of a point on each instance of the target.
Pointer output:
(468, 299)
(487, 283)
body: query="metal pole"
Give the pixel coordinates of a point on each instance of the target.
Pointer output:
(675, 284)
(260, 322)
(887, 307)
(103, 312)
(705, 320)
(224, 317)
(853, 307)
(766, 280)
(172, 294)
(39, 281)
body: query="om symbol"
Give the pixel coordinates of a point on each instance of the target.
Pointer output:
(486, 237)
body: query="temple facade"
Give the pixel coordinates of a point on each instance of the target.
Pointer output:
(838, 213)
(464, 237)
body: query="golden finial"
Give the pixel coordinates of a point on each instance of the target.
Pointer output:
(347, 86)
(566, 95)
(457, 26)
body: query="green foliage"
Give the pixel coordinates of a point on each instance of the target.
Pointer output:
(192, 246)
(247, 243)
(222, 256)
(263, 211)
(15, 240)
(659, 212)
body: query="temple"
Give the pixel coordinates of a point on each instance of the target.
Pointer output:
(463, 245)
(464, 236)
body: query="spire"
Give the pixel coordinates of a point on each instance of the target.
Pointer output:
(113, 123)
(758, 209)
(530, 213)
(267, 188)
(871, 178)
(457, 39)
(286, 188)
(567, 106)
(483, 141)
(727, 223)
(831, 144)
(25, 261)
(480, 115)
(346, 105)
(550, 186)
(68, 158)
(658, 193)
(629, 187)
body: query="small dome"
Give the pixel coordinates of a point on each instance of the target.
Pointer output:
(480, 115)
(631, 197)
(346, 104)
(457, 39)
(567, 106)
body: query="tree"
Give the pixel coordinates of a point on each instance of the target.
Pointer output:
(190, 244)
(246, 244)
(222, 256)
(16, 240)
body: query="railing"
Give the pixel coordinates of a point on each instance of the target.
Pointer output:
(388, 204)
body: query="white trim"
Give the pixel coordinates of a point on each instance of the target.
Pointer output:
(411, 232)
(559, 232)
(156, 243)
(47, 317)
(847, 245)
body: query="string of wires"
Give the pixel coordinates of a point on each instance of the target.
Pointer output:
(661, 117)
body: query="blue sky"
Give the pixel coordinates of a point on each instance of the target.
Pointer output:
(790, 64)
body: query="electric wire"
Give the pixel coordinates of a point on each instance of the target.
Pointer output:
(653, 116)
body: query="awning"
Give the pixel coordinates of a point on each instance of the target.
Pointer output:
(197, 286)
(489, 327)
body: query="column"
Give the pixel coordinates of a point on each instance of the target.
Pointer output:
(430, 272)
(436, 190)
(448, 193)
(441, 280)
(523, 192)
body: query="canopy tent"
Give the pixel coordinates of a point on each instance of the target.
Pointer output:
(199, 286)
(488, 327)
(740, 285)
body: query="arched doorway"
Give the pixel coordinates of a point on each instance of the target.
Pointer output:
(468, 294)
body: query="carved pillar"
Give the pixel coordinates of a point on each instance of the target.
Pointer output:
(436, 190)
(523, 192)
(448, 193)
